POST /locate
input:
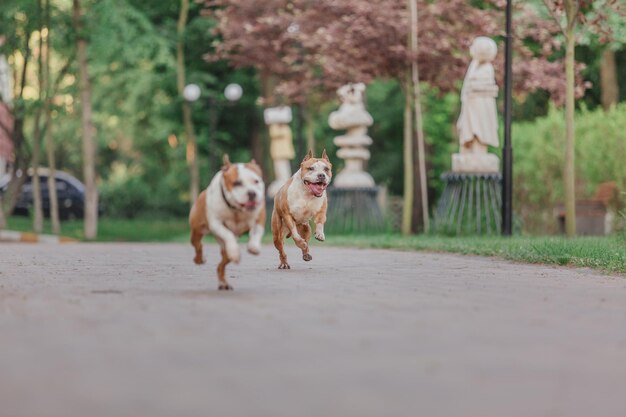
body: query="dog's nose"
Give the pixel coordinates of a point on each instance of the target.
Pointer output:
(251, 195)
(321, 176)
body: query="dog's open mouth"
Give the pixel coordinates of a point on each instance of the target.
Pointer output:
(249, 205)
(316, 188)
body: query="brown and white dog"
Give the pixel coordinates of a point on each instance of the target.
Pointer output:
(233, 204)
(300, 199)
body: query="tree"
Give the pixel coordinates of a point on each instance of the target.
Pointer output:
(320, 45)
(568, 14)
(420, 212)
(407, 162)
(36, 152)
(89, 147)
(608, 79)
(192, 146)
(52, 186)
(609, 38)
(19, 34)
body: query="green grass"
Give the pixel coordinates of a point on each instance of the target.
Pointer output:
(605, 253)
(116, 230)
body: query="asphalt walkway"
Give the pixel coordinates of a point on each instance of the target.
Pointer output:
(117, 330)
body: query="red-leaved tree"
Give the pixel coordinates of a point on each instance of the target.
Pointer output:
(317, 45)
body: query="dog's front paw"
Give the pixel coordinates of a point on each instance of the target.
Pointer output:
(307, 257)
(199, 260)
(254, 249)
(284, 265)
(320, 236)
(225, 287)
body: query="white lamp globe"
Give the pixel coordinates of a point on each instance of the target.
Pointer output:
(191, 92)
(233, 92)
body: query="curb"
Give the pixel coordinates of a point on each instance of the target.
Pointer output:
(27, 237)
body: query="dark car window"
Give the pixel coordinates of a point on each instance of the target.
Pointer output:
(61, 185)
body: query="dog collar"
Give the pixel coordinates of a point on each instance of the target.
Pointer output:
(226, 200)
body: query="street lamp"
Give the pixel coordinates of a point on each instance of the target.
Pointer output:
(507, 151)
(191, 92)
(232, 93)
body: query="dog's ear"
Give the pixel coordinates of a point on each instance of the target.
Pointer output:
(225, 162)
(255, 167)
(325, 156)
(308, 156)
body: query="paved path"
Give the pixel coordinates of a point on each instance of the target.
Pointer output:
(136, 330)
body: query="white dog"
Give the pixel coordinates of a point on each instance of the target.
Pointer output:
(233, 204)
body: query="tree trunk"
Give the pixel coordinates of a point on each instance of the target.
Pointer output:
(309, 129)
(420, 209)
(3, 219)
(89, 148)
(36, 156)
(267, 87)
(212, 144)
(418, 212)
(256, 142)
(569, 170)
(52, 187)
(407, 152)
(608, 79)
(20, 163)
(192, 145)
(299, 130)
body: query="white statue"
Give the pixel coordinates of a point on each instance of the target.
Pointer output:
(478, 122)
(281, 145)
(353, 117)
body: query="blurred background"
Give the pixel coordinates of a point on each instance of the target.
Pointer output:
(140, 53)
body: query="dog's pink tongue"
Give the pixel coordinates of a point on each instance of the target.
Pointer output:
(317, 189)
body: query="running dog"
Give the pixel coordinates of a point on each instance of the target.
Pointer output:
(300, 199)
(233, 204)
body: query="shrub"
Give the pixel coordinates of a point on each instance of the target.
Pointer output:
(124, 195)
(539, 157)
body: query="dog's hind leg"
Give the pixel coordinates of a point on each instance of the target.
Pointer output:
(196, 242)
(221, 272)
(305, 233)
(290, 224)
(278, 243)
(277, 234)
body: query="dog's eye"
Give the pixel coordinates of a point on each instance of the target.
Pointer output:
(311, 168)
(326, 169)
(237, 183)
(256, 181)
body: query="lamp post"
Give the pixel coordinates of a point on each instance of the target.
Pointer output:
(507, 151)
(232, 93)
(191, 92)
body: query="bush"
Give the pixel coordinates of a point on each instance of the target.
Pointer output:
(124, 196)
(600, 156)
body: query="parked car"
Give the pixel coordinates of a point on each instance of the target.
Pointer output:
(70, 195)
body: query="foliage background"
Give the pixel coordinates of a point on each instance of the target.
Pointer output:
(142, 159)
